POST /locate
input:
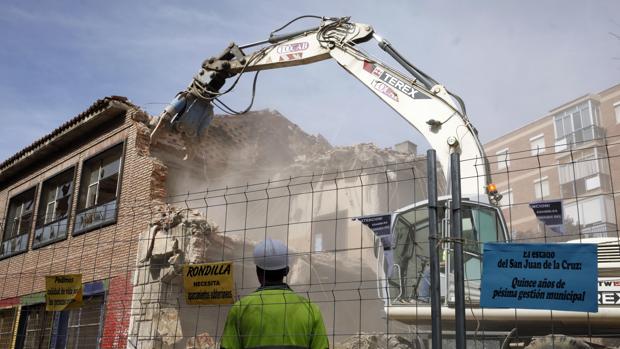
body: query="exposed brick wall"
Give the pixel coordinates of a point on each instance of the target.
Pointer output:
(99, 254)
(117, 312)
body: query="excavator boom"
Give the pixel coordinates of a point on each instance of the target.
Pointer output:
(419, 99)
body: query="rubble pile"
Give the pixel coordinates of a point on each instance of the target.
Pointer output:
(201, 341)
(353, 157)
(237, 149)
(259, 146)
(348, 158)
(376, 341)
(266, 136)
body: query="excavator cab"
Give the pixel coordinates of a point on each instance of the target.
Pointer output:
(406, 264)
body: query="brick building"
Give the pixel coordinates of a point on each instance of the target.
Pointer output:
(568, 154)
(70, 207)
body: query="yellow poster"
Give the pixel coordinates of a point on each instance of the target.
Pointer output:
(211, 283)
(63, 292)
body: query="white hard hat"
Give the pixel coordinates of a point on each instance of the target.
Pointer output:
(271, 255)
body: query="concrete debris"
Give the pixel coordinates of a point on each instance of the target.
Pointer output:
(162, 243)
(161, 246)
(201, 341)
(347, 158)
(557, 341)
(376, 341)
(174, 268)
(236, 149)
(139, 115)
(264, 145)
(175, 237)
(178, 236)
(199, 231)
(169, 329)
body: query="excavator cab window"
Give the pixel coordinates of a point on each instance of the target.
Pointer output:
(409, 277)
(480, 223)
(411, 255)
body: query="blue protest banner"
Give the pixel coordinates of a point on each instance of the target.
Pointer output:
(556, 276)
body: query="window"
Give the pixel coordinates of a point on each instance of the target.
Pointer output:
(54, 207)
(318, 242)
(410, 252)
(617, 111)
(573, 119)
(7, 318)
(480, 225)
(578, 124)
(80, 328)
(18, 223)
(541, 188)
(99, 190)
(593, 183)
(507, 199)
(537, 145)
(35, 327)
(503, 159)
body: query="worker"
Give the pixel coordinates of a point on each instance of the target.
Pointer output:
(273, 316)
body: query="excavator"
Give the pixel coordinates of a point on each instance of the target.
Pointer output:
(440, 116)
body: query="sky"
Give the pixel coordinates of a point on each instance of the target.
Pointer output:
(511, 61)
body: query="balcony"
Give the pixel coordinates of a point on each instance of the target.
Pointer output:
(579, 138)
(581, 186)
(49, 233)
(598, 230)
(14, 245)
(95, 217)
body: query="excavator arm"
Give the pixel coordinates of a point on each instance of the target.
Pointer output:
(419, 99)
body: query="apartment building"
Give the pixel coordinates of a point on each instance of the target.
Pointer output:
(569, 154)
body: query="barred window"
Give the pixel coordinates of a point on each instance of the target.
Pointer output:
(7, 323)
(35, 328)
(84, 324)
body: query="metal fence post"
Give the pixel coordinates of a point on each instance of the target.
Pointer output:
(456, 234)
(433, 242)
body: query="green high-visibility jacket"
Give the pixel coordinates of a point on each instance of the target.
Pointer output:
(274, 317)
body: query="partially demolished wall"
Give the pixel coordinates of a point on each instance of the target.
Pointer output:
(253, 176)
